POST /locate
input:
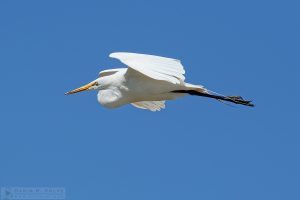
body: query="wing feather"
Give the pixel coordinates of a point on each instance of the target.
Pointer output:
(150, 105)
(156, 67)
(110, 71)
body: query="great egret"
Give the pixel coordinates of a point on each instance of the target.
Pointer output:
(147, 82)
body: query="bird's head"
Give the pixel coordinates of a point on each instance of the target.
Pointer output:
(94, 85)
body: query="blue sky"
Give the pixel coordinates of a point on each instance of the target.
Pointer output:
(195, 149)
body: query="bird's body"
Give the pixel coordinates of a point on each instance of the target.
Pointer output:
(128, 86)
(146, 83)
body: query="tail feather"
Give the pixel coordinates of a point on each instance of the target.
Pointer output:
(232, 99)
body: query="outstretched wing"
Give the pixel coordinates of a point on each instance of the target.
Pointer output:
(150, 105)
(156, 67)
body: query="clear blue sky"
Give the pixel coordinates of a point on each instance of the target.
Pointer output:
(196, 148)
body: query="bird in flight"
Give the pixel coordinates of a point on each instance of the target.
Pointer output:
(147, 83)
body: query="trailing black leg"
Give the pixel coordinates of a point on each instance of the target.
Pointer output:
(232, 99)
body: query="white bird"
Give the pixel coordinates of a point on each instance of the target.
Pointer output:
(147, 83)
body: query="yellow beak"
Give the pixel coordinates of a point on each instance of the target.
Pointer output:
(82, 88)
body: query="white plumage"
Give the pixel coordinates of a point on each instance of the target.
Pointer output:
(150, 105)
(156, 67)
(147, 82)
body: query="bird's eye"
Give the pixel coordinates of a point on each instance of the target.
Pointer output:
(96, 84)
